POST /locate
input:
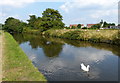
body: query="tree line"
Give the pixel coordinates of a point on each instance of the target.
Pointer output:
(96, 26)
(50, 19)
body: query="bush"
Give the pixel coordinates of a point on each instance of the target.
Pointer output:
(84, 28)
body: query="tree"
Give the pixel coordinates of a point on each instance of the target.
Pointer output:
(79, 26)
(73, 27)
(13, 25)
(101, 22)
(105, 24)
(97, 26)
(32, 20)
(108, 24)
(37, 23)
(51, 19)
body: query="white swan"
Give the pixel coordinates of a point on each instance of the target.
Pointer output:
(83, 67)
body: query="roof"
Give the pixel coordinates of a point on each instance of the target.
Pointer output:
(90, 24)
(76, 25)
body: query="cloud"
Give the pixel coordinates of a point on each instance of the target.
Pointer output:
(16, 3)
(101, 13)
(88, 4)
(91, 11)
(81, 55)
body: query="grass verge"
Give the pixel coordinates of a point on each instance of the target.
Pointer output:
(100, 36)
(16, 65)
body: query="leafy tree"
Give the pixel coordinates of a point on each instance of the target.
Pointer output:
(32, 20)
(108, 24)
(14, 25)
(73, 27)
(105, 24)
(84, 28)
(37, 23)
(97, 26)
(51, 19)
(101, 22)
(79, 26)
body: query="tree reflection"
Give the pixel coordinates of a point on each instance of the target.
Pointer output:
(55, 45)
(51, 50)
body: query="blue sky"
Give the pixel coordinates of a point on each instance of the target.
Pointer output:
(73, 11)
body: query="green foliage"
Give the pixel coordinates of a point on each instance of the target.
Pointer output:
(107, 36)
(79, 26)
(67, 27)
(72, 34)
(108, 24)
(34, 22)
(14, 25)
(97, 26)
(73, 27)
(84, 28)
(51, 19)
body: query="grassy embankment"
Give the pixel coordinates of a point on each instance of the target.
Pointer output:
(101, 36)
(16, 65)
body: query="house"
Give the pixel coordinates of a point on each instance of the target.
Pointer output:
(114, 27)
(75, 25)
(90, 25)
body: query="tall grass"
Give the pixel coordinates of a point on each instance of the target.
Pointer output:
(106, 36)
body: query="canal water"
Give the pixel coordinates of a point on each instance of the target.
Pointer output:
(61, 59)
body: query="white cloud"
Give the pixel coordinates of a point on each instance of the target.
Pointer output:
(16, 3)
(88, 4)
(101, 13)
(92, 10)
(94, 54)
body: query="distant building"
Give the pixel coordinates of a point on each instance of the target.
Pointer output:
(75, 25)
(90, 25)
(114, 27)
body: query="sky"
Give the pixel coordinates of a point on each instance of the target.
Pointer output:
(73, 11)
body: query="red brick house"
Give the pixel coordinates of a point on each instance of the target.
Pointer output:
(90, 25)
(75, 25)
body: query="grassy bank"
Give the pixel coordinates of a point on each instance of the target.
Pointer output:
(32, 31)
(16, 65)
(101, 36)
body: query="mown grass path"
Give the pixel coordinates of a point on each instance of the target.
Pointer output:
(16, 65)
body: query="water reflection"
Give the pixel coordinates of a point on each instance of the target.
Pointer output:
(50, 49)
(60, 59)
(57, 43)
